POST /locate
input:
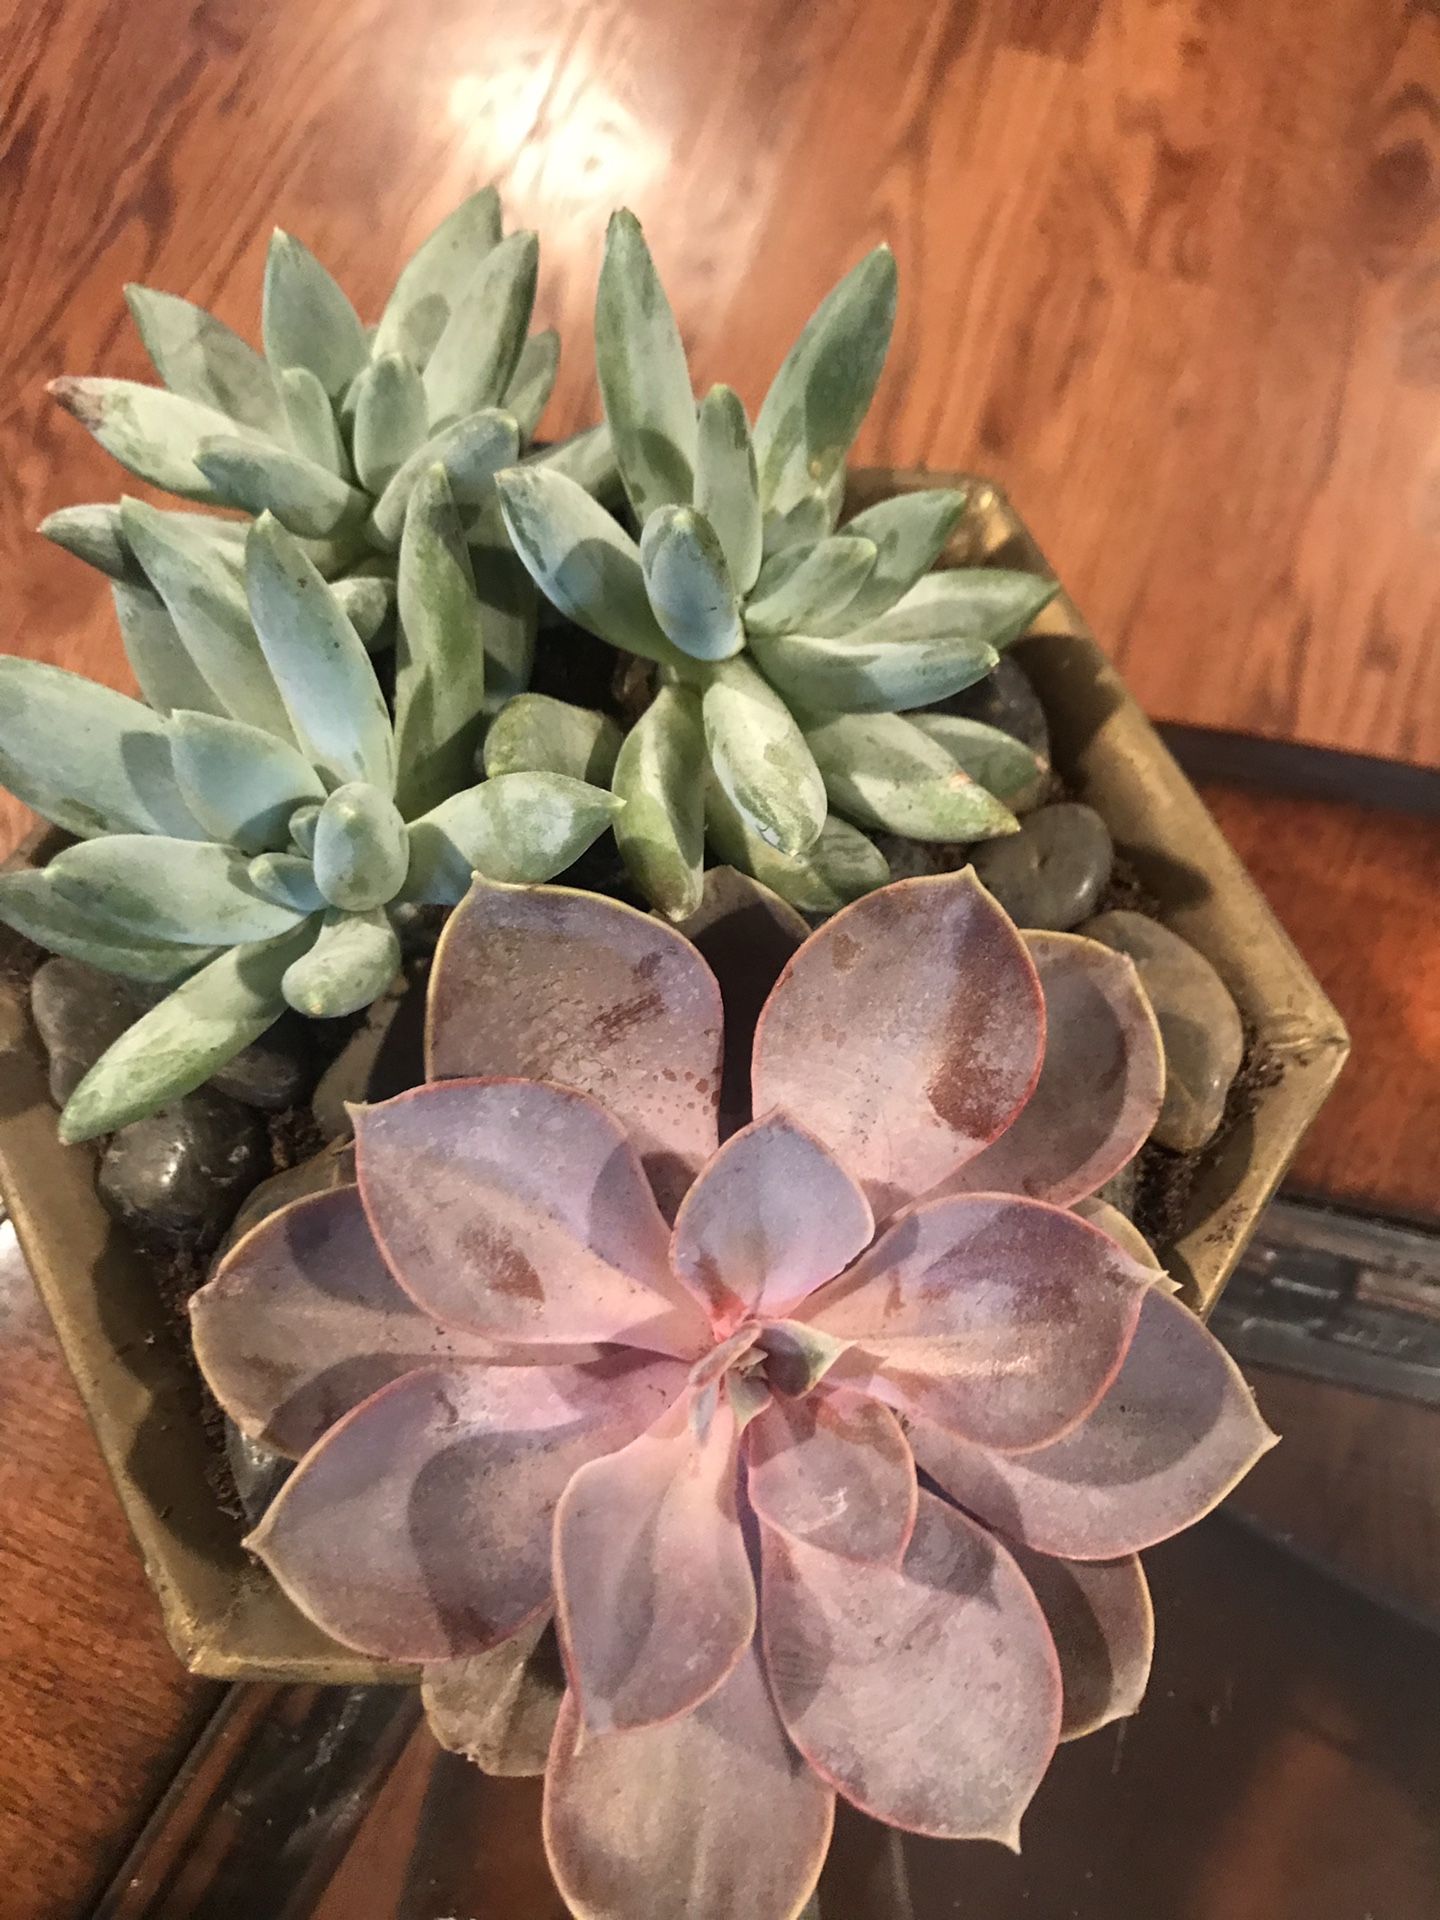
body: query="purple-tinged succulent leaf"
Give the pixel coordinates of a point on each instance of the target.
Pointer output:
(773, 1216)
(499, 1708)
(548, 984)
(709, 1817)
(928, 1693)
(906, 1034)
(1103, 1626)
(746, 935)
(834, 1470)
(1175, 1432)
(1100, 1086)
(419, 1528)
(303, 1321)
(1002, 1319)
(1126, 1234)
(653, 1587)
(521, 1212)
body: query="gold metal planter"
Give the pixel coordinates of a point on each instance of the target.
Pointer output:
(225, 1617)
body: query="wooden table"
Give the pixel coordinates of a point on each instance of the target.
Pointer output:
(1167, 270)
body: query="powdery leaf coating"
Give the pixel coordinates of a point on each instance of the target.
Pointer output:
(418, 1529)
(653, 1586)
(1175, 1433)
(772, 1217)
(906, 1034)
(303, 1321)
(1126, 1234)
(1100, 1087)
(562, 986)
(1002, 1319)
(928, 1693)
(499, 1708)
(519, 1210)
(1103, 1626)
(834, 1470)
(708, 1817)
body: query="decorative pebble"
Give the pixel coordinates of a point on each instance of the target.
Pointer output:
(383, 1056)
(80, 1011)
(1199, 1024)
(1051, 873)
(177, 1178)
(333, 1166)
(1005, 699)
(257, 1470)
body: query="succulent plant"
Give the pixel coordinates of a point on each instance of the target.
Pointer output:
(561, 1351)
(329, 430)
(789, 656)
(253, 836)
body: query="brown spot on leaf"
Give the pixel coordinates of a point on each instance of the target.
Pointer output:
(615, 1022)
(500, 1263)
(845, 950)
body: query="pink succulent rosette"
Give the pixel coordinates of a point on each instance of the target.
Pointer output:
(563, 1352)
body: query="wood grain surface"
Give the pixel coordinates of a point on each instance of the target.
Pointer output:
(96, 1709)
(1170, 268)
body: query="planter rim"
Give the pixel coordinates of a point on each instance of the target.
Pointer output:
(224, 1615)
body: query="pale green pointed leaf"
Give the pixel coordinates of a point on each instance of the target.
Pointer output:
(660, 778)
(644, 379)
(533, 380)
(200, 357)
(508, 612)
(726, 489)
(353, 961)
(910, 532)
(534, 734)
(870, 671)
(85, 757)
(155, 434)
(476, 355)
(990, 604)
(587, 458)
(191, 1034)
(581, 559)
(437, 273)
(883, 771)
(439, 652)
(822, 392)
(303, 496)
(809, 520)
(31, 904)
(691, 592)
(159, 659)
(390, 420)
(288, 879)
(323, 672)
(802, 594)
(310, 418)
(522, 828)
(201, 582)
(306, 319)
(760, 758)
(242, 785)
(303, 823)
(92, 534)
(1001, 764)
(193, 892)
(361, 851)
(367, 601)
(472, 452)
(840, 867)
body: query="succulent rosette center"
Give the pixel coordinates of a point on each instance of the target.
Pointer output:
(564, 1352)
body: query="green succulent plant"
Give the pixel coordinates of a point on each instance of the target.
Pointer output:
(789, 657)
(254, 836)
(329, 430)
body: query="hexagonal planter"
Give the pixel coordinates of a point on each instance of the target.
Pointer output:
(224, 1615)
